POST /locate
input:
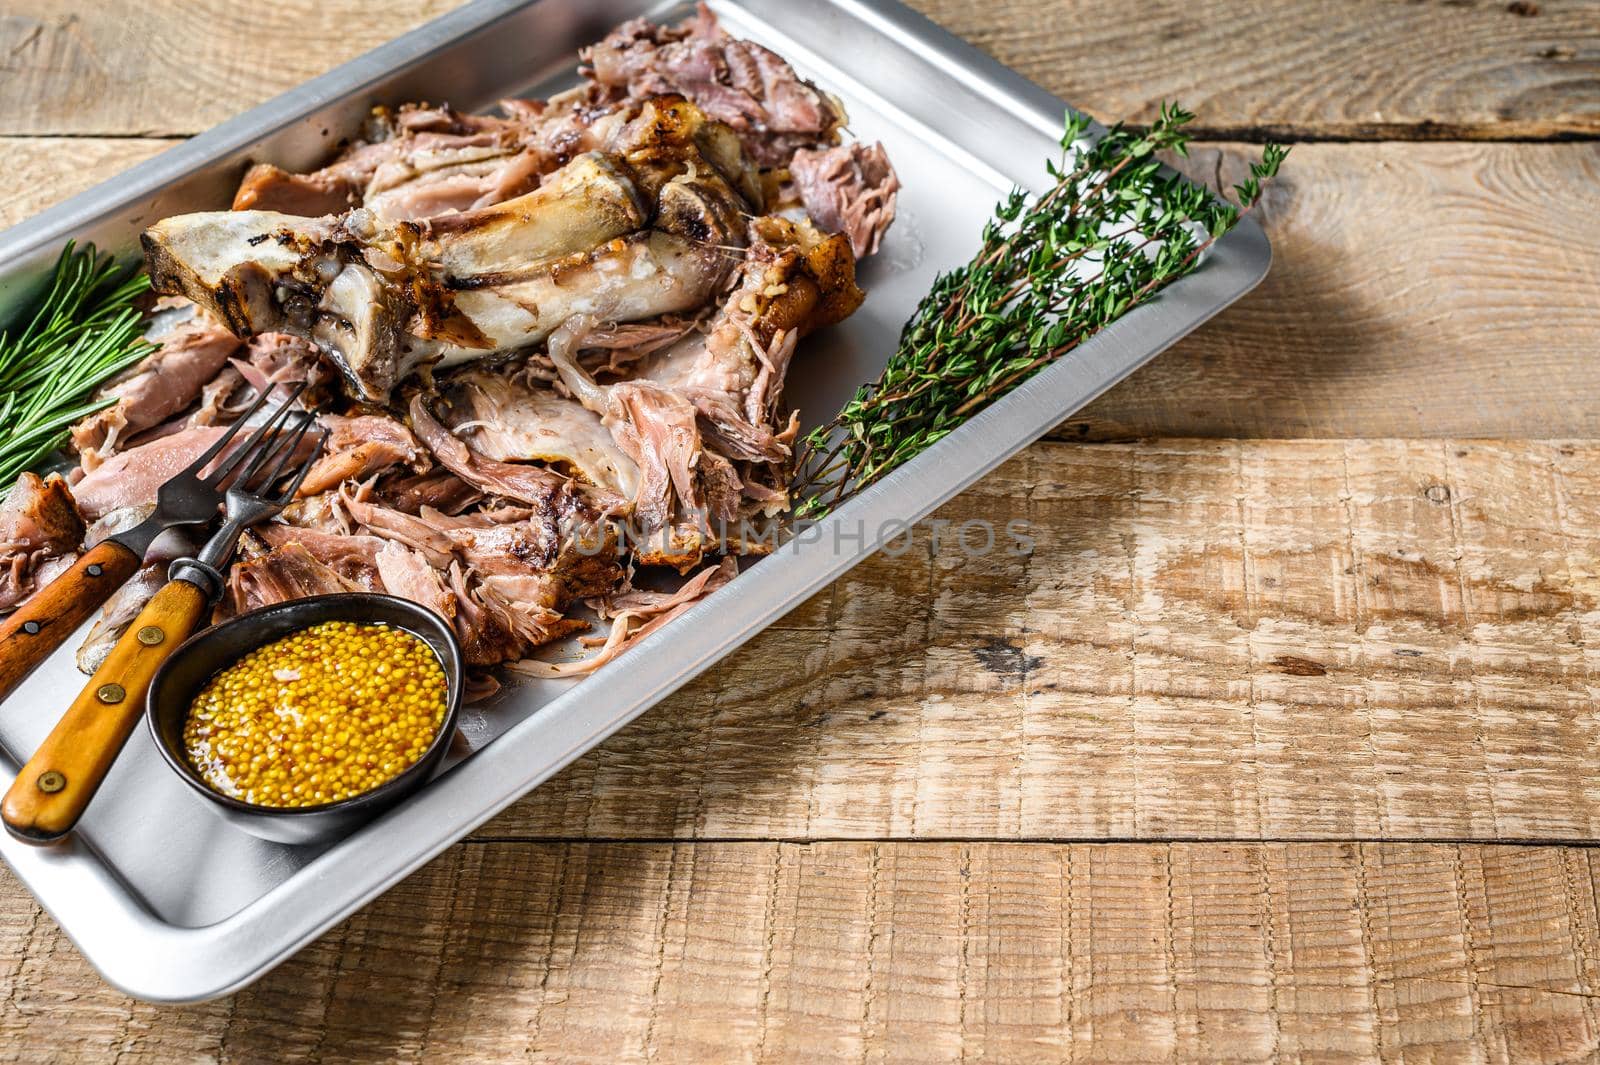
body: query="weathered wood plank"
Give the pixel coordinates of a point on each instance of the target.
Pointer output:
(1281, 640)
(42, 171)
(1419, 290)
(892, 952)
(123, 68)
(1375, 69)
(1416, 290)
(897, 667)
(1372, 69)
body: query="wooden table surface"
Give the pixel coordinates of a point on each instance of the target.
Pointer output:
(1279, 746)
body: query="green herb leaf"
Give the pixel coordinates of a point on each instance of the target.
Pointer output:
(1053, 271)
(85, 332)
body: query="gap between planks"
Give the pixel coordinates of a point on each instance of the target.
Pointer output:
(1479, 69)
(1417, 290)
(1306, 640)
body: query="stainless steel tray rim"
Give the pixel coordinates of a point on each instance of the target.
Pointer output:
(246, 130)
(1015, 417)
(151, 959)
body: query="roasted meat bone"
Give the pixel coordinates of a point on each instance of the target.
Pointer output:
(623, 236)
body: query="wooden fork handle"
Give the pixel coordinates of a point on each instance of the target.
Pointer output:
(40, 625)
(55, 787)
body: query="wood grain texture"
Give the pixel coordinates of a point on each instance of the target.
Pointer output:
(1210, 639)
(1285, 640)
(42, 171)
(1367, 69)
(1418, 290)
(1375, 68)
(125, 68)
(824, 952)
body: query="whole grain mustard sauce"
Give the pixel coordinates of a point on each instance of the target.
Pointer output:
(327, 713)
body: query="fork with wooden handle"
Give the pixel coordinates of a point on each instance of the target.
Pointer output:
(53, 789)
(40, 625)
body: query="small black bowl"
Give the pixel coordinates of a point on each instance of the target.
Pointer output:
(182, 676)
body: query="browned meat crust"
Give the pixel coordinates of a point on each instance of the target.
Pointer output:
(359, 447)
(748, 87)
(612, 264)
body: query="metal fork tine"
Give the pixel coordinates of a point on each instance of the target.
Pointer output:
(264, 454)
(269, 427)
(222, 442)
(305, 467)
(283, 449)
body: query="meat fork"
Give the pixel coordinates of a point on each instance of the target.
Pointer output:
(41, 624)
(53, 789)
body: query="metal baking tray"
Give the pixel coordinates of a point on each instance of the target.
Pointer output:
(168, 902)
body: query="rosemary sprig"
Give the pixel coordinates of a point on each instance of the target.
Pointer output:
(1052, 272)
(86, 331)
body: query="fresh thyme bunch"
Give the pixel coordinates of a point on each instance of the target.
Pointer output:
(1052, 272)
(86, 331)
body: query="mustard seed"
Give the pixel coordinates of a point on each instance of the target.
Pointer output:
(307, 720)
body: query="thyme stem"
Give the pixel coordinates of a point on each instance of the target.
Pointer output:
(1052, 271)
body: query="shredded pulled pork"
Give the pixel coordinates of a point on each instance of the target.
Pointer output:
(549, 347)
(752, 89)
(422, 162)
(510, 572)
(416, 162)
(648, 610)
(360, 446)
(133, 477)
(161, 385)
(850, 189)
(291, 571)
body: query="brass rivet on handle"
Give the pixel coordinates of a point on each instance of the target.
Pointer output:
(151, 635)
(51, 781)
(111, 693)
